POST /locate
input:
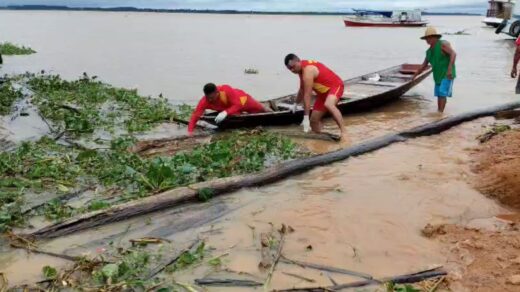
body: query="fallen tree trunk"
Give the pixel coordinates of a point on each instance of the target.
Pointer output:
(217, 187)
(327, 269)
(402, 279)
(506, 115)
(168, 146)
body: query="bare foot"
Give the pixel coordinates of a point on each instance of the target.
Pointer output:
(344, 137)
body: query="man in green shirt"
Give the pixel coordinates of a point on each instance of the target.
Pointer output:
(441, 57)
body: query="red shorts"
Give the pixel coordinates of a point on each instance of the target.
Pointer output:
(319, 104)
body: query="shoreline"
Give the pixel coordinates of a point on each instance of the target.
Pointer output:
(203, 11)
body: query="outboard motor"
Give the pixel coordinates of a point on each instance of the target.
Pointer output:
(514, 29)
(501, 26)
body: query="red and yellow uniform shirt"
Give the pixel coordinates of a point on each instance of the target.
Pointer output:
(326, 83)
(233, 101)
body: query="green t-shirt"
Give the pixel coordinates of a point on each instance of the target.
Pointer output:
(440, 62)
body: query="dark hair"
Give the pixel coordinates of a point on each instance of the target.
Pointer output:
(209, 88)
(289, 58)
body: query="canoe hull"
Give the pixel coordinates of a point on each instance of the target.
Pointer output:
(355, 23)
(286, 117)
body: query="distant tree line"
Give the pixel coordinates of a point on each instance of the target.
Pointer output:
(134, 9)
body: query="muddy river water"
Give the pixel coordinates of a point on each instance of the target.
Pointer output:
(364, 214)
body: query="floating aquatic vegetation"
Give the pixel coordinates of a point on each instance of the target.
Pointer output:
(48, 166)
(8, 96)
(87, 104)
(8, 48)
(118, 268)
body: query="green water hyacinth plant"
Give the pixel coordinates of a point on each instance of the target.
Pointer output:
(8, 49)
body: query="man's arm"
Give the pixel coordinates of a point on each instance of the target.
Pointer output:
(197, 113)
(299, 96)
(514, 71)
(423, 67)
(308, 81)
(448, 50)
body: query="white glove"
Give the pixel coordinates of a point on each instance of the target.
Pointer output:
(220, 117)
(306, 124)
(293, 107)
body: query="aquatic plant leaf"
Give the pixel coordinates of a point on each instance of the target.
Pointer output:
(49, 273)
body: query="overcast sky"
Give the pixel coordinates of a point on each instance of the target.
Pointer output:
(478, 6)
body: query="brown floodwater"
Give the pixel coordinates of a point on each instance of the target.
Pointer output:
(364, 214)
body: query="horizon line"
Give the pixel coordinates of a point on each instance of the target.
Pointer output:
(223, 11)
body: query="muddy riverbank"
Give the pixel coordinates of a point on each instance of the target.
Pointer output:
(484, 255)
(348, 215)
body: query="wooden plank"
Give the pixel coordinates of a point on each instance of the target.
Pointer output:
(403, 76)
(380, 83)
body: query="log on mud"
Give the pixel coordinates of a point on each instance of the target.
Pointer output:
(324, 136)
(168, 146)
(327, 269)
(227, 282)
(218, 187)
(402, 279)
(506, 115)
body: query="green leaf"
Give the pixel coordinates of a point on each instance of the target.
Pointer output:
(63, 188)
(215, 262)
(205, 194)
(98, 205)
(110, 271)
(50, 273)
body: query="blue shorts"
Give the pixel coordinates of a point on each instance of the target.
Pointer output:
(445, 89)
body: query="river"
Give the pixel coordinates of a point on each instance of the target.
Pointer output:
(376, 203)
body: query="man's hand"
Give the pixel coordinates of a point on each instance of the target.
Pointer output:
(293, 107)
(220, 117)
(306, 124)
(514, 72)
(449, 74)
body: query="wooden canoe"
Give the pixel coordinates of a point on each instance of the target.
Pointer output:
(361, 94)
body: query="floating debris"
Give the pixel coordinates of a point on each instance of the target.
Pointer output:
(251, 71)
(460, 32)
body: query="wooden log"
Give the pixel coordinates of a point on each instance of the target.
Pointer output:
(226, 282)
(299, 277)
(506, 115)
(316, 136)
(48, 253)
(327, 269)
(167, 146)
(221, 186)
(402, 279)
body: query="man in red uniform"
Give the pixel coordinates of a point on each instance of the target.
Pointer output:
(226, 100)
(314, 76)
(514, 71)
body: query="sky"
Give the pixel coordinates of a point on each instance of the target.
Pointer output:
(474, 6)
